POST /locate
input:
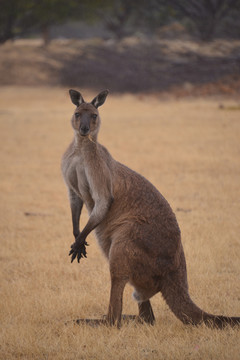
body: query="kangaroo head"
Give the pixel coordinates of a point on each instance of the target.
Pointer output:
(86, 120)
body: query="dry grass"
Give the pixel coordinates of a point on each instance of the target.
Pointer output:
(190, 150)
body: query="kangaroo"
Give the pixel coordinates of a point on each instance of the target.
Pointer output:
(134, 225)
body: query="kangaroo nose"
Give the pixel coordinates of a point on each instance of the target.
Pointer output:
(84, 130)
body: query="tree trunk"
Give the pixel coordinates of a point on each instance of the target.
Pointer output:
(8, 30)
(206, 29)
(45, 34)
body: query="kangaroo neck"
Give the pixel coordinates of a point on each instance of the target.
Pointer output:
(85, 143)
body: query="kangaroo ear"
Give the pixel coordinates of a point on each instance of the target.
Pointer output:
(100, 98)
(76, 97)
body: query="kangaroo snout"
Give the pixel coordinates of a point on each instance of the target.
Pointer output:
(84, 130)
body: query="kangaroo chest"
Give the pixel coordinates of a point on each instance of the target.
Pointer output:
(75, 177)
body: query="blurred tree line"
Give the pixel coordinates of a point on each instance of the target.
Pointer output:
(121, 17)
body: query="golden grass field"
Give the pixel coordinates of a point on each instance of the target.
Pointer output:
(190, 150)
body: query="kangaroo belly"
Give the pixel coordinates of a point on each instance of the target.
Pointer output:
(104, 243)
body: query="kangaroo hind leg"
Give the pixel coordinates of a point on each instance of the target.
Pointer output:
(145, 308)
(115, 305)
(146, 312)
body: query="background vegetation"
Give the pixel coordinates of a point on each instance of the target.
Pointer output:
(135, 46)
(205, 18)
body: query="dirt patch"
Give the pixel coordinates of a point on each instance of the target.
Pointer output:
(132, 65)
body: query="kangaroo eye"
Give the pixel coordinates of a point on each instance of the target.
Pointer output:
(94, 116)
(77, 115)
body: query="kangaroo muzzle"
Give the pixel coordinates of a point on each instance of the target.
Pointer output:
(84, 130)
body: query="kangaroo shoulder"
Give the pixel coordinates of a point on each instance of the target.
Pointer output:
(105, 155)
(103, 161)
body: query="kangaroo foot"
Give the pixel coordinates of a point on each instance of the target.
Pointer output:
(90, 322)
(99, 322)
(126, 318)
(104, 321)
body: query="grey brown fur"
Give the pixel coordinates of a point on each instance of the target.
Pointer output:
(134, 224)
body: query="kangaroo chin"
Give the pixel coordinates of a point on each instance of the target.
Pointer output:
(134, 225)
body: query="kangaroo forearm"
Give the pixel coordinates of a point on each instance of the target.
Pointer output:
(91, 225)
(97, 216)
(76, 208)
(76, 212)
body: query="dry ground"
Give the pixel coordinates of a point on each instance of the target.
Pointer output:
(190, 149)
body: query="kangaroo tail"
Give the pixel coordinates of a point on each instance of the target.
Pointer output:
(175, 292)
